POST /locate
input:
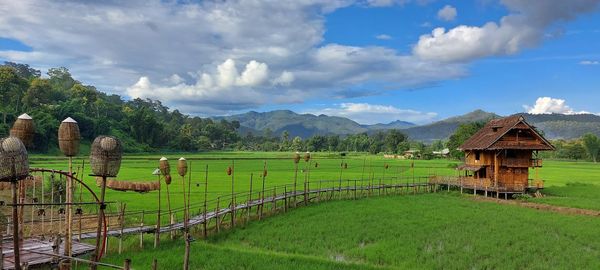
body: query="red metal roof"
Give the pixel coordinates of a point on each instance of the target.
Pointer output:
(488, 137)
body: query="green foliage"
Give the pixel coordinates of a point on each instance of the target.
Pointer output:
(591, 143)
(460, 136)
(143, 125)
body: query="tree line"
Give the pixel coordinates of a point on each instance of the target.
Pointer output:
(142, 125)
(146, 125)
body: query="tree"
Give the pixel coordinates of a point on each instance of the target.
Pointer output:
(38, 94)
(392, 139)
(591, 143)
(460, 136)
(297, 143)
(23, 70)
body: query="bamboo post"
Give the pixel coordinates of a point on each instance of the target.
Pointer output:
(15, 218)
(217, 215)
(171, 223)
(127, 264)
(249, 208)
(262, 200)
(232, 193)
(285, 196)
(157, 232)
(169, 202)
(142, 232)
(296, 160)
(154, 264)
(274, 202)
(122, 223)
(97, 251)
(205, 198)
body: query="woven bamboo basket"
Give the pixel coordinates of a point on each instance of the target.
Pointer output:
(68, 137)
(105, 156)
(14, 163)
(296, 157)
(307, 156)
(165, 169)
(182, 167)
(23, 129)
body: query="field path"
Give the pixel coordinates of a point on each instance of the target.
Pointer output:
(543, 207)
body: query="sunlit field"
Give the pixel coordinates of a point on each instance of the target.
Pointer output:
(443, 230)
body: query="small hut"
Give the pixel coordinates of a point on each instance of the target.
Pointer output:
(501, 153)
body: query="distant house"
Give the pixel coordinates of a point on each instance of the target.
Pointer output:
(503, 151)
(444, 153)
(498, 157)
(411, 154)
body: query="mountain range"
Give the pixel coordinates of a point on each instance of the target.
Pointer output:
(554, 126)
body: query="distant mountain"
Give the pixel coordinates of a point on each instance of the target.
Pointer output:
(392, 125)
(443, 129)
(554, 126)
(305, 125)
(561, 126)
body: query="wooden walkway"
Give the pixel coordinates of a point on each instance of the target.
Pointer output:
(32, 249)
(202, 218)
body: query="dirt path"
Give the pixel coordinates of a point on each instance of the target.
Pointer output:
(543, 207)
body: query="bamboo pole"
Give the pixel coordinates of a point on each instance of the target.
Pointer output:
(295, 180)
(96, 256)
(232, 193)
(69, 214)
(262, 200)
(142, 232)
(157, 232)
(249, 208)
(122, 224)
(15, 217)
(205, 197)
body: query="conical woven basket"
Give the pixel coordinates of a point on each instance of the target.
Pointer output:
(105, 156)
(14, 162)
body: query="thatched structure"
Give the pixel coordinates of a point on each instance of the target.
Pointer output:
(105, 156)
(23, 129)
(137, 186)
(182, 167)
(68, 137)
(14, 163)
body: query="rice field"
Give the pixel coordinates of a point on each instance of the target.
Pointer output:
(394, 232)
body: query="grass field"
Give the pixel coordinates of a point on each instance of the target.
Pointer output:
(422, 231)
(557, 174)
(429, 231)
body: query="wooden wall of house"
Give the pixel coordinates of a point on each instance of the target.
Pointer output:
(513, 177)
(486, 158)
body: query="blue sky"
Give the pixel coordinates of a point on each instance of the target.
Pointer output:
(372, 60)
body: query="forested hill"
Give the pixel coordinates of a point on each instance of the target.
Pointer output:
(142, 125)
(560, 126)
(443, 129)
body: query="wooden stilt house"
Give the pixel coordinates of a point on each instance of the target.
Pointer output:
(500, 154)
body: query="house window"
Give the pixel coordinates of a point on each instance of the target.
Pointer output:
(511, 154)
(477, 156)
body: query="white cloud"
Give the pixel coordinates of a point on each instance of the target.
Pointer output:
(523, 28)
(447, 13)
(212, 57)
(383, 37)
(365, 113)
(548, 105)
(589, 62)
(152, 49)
